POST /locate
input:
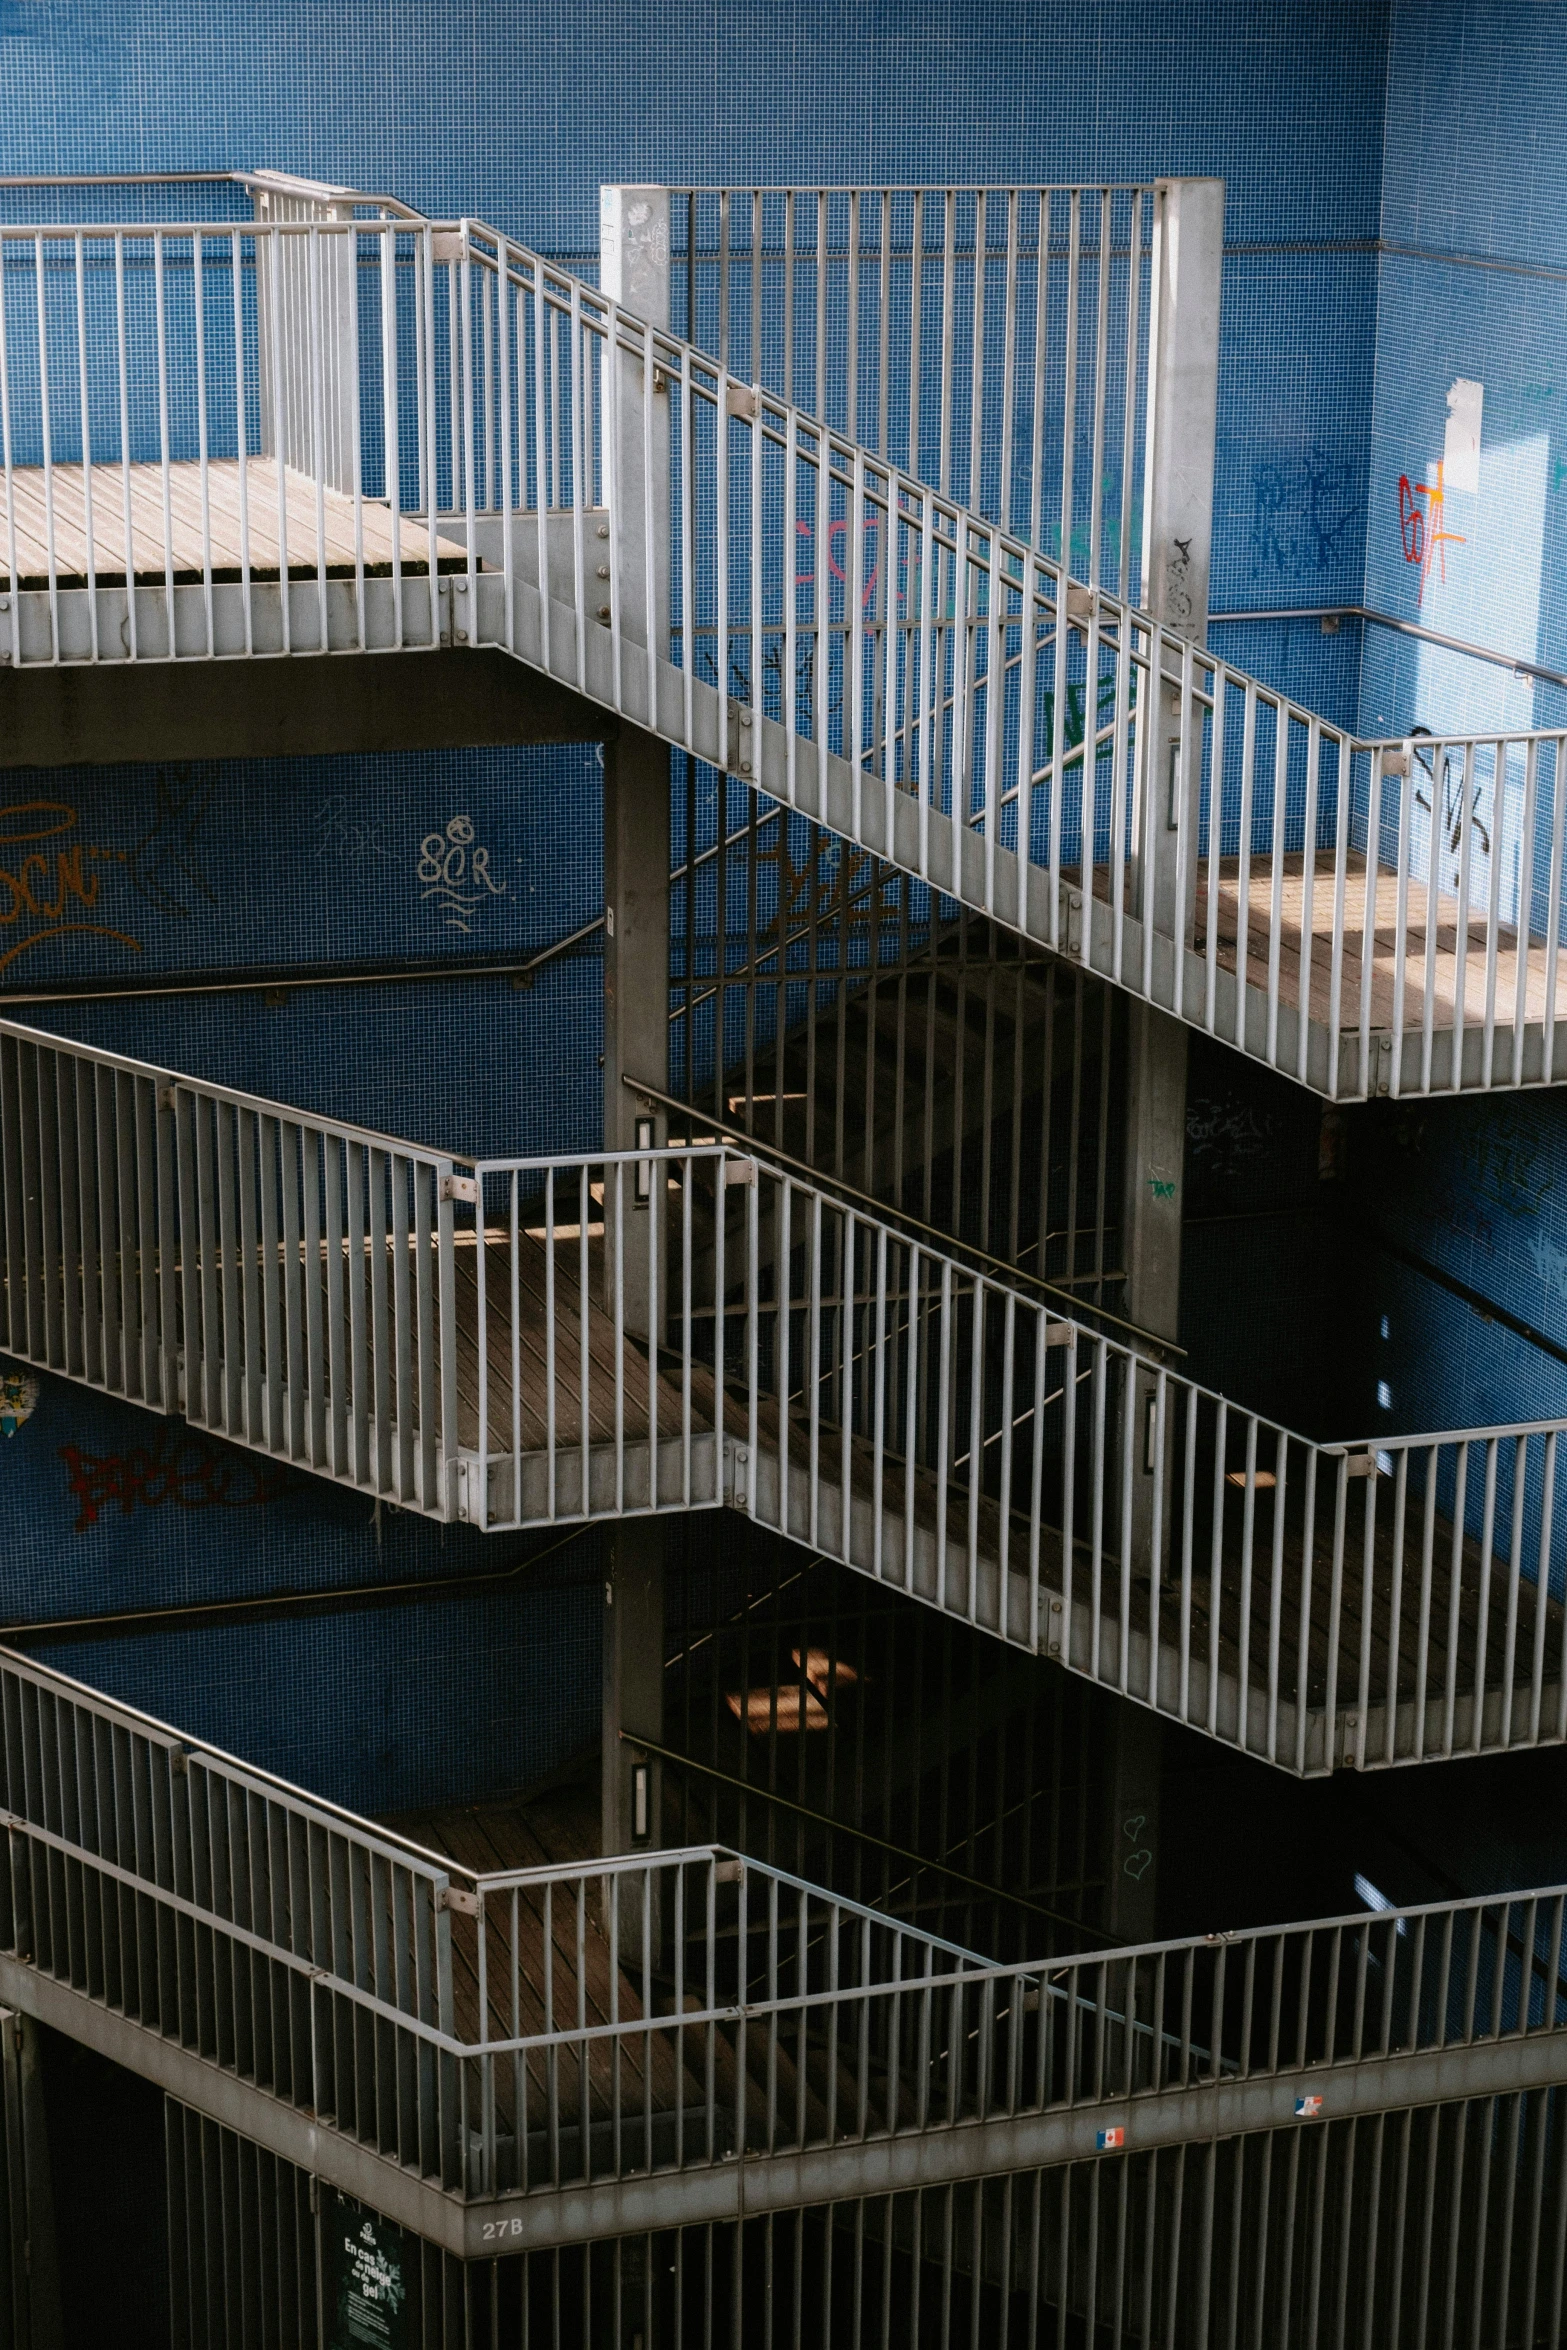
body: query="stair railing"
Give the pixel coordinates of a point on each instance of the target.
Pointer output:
(946, 697)
(991, 341)
(527, 2032)
(335, 429)
(282, 1280)
(228, 1915)
(538, 1341)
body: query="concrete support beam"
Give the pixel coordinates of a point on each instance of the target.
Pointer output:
(1132, 1824)
(1183, 402)
(1155, 1152)
(90, 717)
(1183, 391)
(634, 250)
(634, 271)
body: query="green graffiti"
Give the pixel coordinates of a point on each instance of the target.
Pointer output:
(1076, 702)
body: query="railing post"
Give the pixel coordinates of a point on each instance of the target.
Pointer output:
(1183, 373)
(317, 336)
(450, 1433)
(634, 273)
(1183, 407)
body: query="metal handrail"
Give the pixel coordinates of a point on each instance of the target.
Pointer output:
(734, 2008)
(548, 1339)
(1292, 840)
(282, 183)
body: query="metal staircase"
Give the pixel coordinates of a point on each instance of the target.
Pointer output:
(326, 425)
(337, 427)
(540, 2056)
(525, 1343)
(881, 539)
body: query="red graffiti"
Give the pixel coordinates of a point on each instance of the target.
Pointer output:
(839, 531)
(1420, 528)
(179, 1468)
(1411, 522)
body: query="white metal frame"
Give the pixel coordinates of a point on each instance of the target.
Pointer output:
(538, 1341)
(924, 696)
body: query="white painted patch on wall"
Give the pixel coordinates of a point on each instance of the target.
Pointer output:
(1461, 448)
(1491, 594)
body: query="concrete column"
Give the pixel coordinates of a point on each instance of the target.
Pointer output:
(634, 250)
(636, 992)
(1183, 408)
(1178, 509)
(634, 272)
(633, 1684)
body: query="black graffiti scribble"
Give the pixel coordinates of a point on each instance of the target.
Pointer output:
(1452, 797)
(179, 1468)
(1222, 1134)
(1302, 514)
(162, 863)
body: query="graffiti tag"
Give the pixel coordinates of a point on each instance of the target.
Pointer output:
(49, 890)
(1301, 515)
(178, 1468)
(455, 872)
(1422, 527)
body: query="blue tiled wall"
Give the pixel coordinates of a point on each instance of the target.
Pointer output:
(383, 1710)
(110, 1510)
(132, 875)
(1473, 283)
(1475, 1188)
(517, 114)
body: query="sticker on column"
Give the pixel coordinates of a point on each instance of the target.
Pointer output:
(18, 1397)
(1107, 2141)
(1307, 2109)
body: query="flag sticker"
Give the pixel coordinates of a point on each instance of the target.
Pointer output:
(1108, 2140)
(1307, 2108)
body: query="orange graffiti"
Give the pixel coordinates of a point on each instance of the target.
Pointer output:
(39, 890)
(1421, 527)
